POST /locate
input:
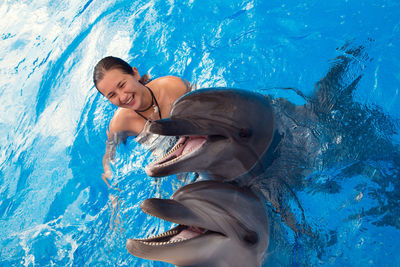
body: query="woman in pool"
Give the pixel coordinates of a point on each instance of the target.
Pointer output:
(139, 99)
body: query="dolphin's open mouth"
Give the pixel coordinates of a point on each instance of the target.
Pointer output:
(178, 234)
(172, 211)
(185, 147)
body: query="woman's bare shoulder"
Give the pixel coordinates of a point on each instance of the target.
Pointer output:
(172, 84)
(167, 79)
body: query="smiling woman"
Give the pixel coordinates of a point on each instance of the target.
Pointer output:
(139, 99)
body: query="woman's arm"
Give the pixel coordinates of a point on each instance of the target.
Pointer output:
(121, 127)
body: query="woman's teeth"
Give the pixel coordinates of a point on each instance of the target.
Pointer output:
(129, 101)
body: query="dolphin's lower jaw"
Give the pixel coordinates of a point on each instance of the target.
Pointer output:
(186, 148)
(177, 246)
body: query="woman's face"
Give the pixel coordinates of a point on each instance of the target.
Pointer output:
(123, 90)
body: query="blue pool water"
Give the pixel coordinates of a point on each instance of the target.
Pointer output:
(56, 210)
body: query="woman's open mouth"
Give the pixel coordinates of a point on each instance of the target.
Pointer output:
(131, 101)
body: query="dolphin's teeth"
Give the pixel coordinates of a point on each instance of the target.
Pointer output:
(148, 239)
(152, 241)
(171, 151)
(174, 160)
(173, 232)
(178, 240)
(178, 157)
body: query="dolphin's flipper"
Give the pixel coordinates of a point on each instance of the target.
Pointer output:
(283, 201)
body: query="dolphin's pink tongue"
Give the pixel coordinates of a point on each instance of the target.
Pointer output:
(193, 142)
(188, 233)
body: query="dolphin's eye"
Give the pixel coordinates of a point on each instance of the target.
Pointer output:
(245, 132)
(251, 238)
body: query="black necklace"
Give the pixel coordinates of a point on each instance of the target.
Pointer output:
(153, 103)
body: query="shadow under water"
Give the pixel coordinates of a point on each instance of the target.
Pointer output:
(323, 144)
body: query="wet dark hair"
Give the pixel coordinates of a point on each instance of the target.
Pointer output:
(111, 63)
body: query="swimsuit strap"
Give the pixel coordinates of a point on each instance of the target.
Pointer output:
(146, 119)
(153, 101)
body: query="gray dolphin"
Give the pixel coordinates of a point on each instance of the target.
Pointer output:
(232, 134)
(223, 134)
(220, 224)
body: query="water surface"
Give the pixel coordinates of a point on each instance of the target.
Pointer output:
(54, 206)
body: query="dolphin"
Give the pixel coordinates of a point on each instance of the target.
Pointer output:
(223, 132)
(219, 224)
(231, 134)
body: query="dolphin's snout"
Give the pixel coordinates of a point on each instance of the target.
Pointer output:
(172, 127)
(156, 127)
